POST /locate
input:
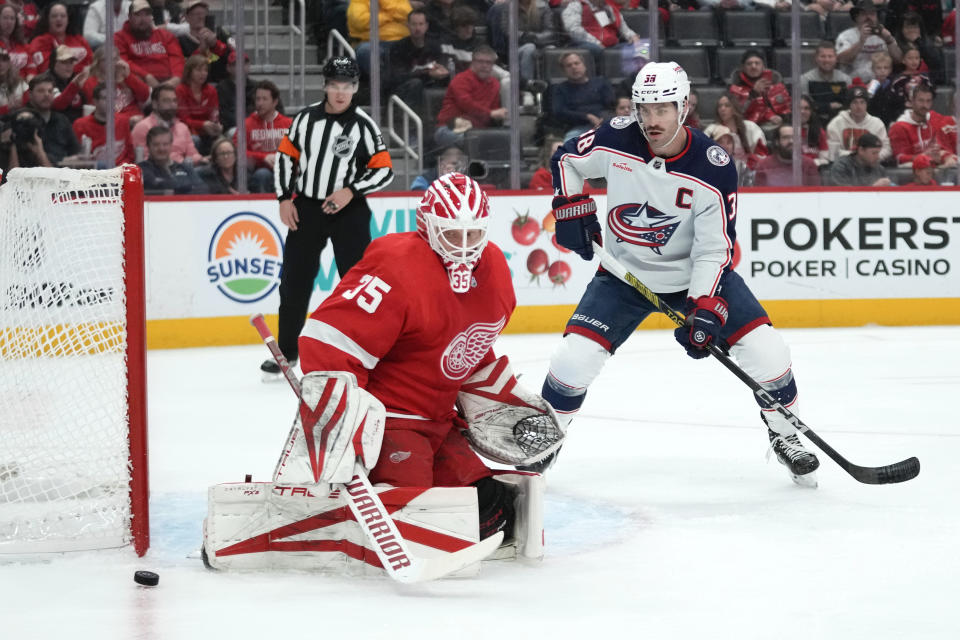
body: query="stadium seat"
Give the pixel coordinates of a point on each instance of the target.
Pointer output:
(811, 29)
(838, 22)
(900, 175)
(728, 59)
(941, 101)
(694, 28)
(747, 28)
(487, 144)
(707, 106)
(639, 21)
(613, 64)
(693, 60)
(782, 61)
(432, 102)
(950, 63)
(553, 70)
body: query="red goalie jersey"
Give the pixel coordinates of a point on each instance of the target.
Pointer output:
(395, 323)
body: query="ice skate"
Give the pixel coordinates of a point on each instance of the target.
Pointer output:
(800, 463)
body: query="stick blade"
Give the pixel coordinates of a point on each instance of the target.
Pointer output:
(426, 569)
(890, 474)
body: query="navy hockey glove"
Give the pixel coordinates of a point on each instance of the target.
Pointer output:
(577, 224)
(705, 317)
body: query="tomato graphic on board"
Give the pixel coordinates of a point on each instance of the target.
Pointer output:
(559, 272)
(549, 222)
(562, 248)
(537, 263)
(525, 229)
(736, 253)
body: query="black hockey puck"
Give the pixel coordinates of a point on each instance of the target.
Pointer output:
(146, 578)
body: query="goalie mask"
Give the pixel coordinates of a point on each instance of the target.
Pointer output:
(452, 217)
(658, 83)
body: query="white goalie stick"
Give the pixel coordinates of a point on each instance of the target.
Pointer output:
(366, 506)
(886, 474)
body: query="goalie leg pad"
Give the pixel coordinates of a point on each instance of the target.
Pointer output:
(764, 355)
(527, 490)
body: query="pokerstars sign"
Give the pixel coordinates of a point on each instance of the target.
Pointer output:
(863, 244)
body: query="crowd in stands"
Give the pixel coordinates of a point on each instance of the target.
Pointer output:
(866, 98)
(874, 99)
(174, 100)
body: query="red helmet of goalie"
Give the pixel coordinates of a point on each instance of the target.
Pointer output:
(452, 217)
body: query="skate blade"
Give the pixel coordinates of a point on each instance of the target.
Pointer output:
(807, 480)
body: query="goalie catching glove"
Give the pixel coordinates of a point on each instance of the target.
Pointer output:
(505, 422)
(337, 423)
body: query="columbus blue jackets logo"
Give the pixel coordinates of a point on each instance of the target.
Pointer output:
(642, 225)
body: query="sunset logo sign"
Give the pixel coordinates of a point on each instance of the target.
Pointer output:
(245, 257)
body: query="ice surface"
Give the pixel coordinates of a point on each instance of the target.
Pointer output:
(663, 519)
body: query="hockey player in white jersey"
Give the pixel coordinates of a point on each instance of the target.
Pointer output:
(672, 206)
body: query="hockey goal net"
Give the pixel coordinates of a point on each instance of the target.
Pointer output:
(73, 471)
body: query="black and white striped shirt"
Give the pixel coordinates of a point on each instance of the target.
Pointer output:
(324, 152)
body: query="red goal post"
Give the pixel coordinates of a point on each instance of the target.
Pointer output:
(73, 423)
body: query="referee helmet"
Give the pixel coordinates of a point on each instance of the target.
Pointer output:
(341, 68)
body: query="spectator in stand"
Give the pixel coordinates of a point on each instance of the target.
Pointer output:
(95, 22)
(449, 160)
(948, 31)
(54, 29)
(911, 33)
(464, 41)
(440, 17)
(153, 54)
(26, 147)
(197, 104)
(11, 38)
(693, 113)
(923, 131)
(202, 40)
(930, 13)
(29, 16)
(131, 92)
(94, 128)
(845, 130)
(227, 92)
(162, 175)
(416, 62)
(749, 144)
(812, 134)
(542, 179)
(856, 45)
(760, 92)
(579, 103)
(392, 24)
(220, 176)
(825, 7)
(624, 106)
(776, 170)
(885, 103)
(168, 14)
(68, 94)
(862, 167)
(825, 83)
(165, 105)
(910, 77)
(59, 142)
(534, 30)
(727, 140)
(922, 173)
(266, 126)
(473, 96)
(596, 25)
(12, 86)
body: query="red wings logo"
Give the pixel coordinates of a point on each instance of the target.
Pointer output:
(467, 348)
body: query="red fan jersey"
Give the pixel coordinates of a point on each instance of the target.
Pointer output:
(395, 323)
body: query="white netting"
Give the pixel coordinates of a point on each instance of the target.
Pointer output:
(64, 468)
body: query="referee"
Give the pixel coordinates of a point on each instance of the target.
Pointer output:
(332, 156)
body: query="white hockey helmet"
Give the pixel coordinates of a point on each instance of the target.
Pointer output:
(659, 82)
(453, 206)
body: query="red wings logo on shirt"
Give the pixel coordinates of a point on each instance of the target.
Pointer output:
(467, 348)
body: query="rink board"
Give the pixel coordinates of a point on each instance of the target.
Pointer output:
(815, 258)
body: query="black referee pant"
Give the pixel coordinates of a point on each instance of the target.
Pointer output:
(348, 229)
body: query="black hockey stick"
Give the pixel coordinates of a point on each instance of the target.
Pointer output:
(887, 474)
(373, 518)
